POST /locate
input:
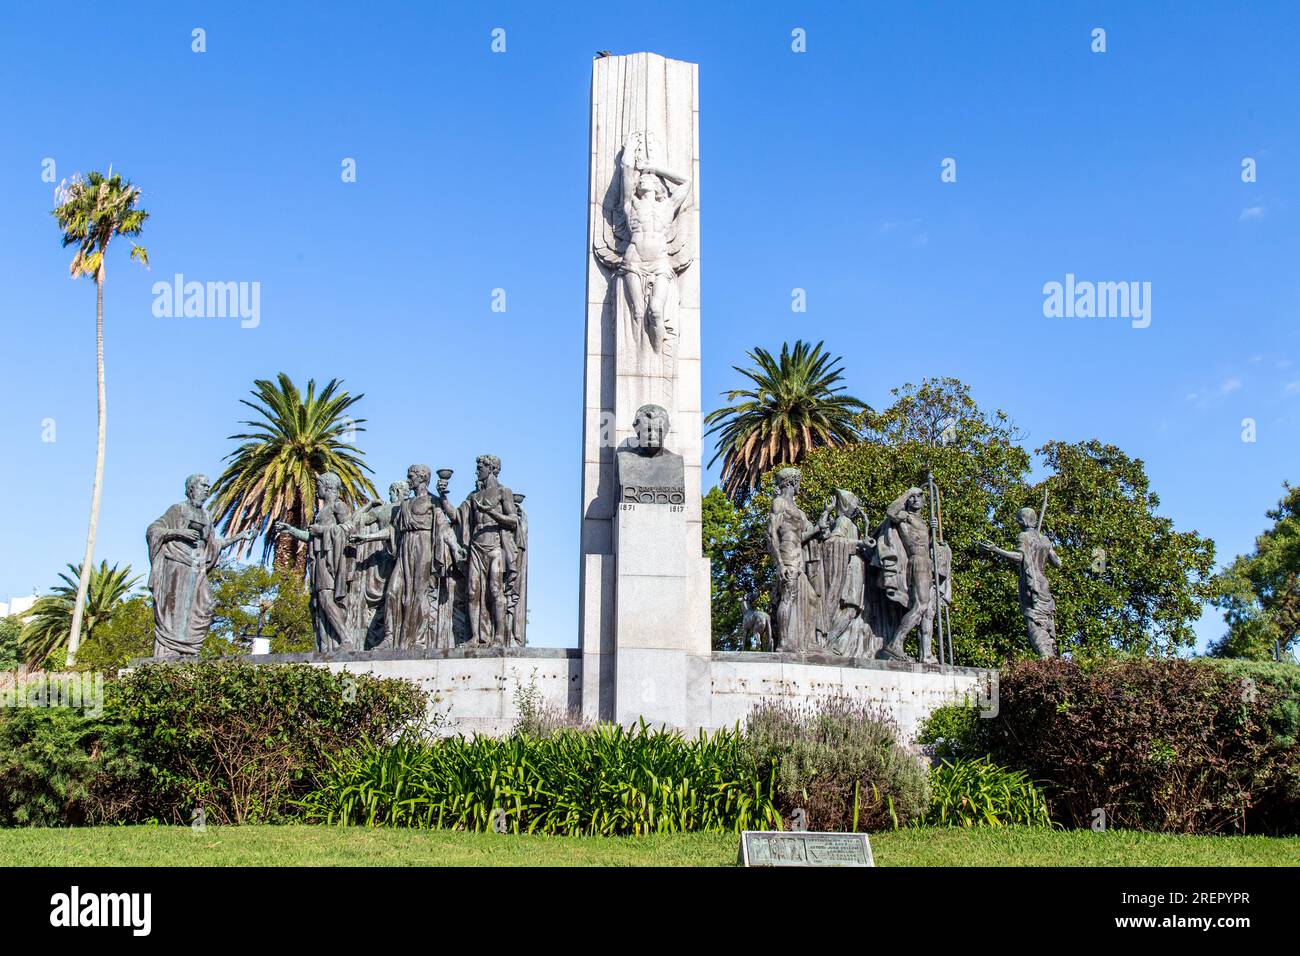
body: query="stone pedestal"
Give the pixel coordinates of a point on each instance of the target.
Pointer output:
(644, 582)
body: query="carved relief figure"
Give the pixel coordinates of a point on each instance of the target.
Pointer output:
(183, 549)
(646, 241)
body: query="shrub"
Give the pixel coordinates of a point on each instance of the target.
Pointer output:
(840, 762)
(240, 741)
(1275, 687)
(605, 781)
(537, 718)
(1167, 745)
(243, 740)
(59, 767)
(952, 733)
(979, 793)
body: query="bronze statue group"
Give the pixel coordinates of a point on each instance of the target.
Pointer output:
(848, 592)
(415, 572)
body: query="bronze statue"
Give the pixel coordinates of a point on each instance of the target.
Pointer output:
(183, 550)
(1037, 605)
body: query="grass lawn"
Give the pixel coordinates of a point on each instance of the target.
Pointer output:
(330, 846)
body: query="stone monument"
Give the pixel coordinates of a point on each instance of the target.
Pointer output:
(644, 592)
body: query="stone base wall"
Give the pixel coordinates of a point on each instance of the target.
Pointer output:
(474, 690)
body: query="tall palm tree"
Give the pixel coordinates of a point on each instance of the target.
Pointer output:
(794, 407)
(272, 475)
(49, 627)
(91, 212)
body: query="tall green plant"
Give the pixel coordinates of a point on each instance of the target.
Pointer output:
(48, 627)
(91, 212)
(272, 474)
(794, 406)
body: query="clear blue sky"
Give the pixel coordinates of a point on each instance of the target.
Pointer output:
(820, 170)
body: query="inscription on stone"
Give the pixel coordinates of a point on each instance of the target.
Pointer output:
(803, 848)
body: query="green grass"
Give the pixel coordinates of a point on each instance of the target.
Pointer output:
(334, 846)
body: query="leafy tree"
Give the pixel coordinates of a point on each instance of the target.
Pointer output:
(91, 212)
(251, 594)
(1130, 581)
(10, 628)
(734, 541)
(1259, 593)
(48, 625)
(794, 407)
(1144, 601)
(127, 634)
(272, 475)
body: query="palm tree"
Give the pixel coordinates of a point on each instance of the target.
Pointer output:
(49, 627)
(91, 212)
(794, 407)
(272, 475)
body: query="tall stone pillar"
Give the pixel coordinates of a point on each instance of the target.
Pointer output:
(644, 605)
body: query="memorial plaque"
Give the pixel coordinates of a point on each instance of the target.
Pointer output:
(804, 848)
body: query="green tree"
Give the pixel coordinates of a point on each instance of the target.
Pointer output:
(253, 595)
(91, 212)
(734, 542)
(1130, 581)
(1259, 593)
(794, 406)
(272, 475)
(10, 627)
(1142, 598)
(127, 634)
(45, 636)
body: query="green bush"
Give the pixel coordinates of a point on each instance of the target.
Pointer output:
(60, 767)
(1275, 687)
(1166, 745)
(840, 762)
(239, 741)
(604, 781)
(952, 733)
(979, 793)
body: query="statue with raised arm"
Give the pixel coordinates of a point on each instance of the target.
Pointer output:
(331, 556)
(375, 540)
(646, 243)
(488, 520)
(789, 533)
(906, 573)
(1037, 605)
(183, 550)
